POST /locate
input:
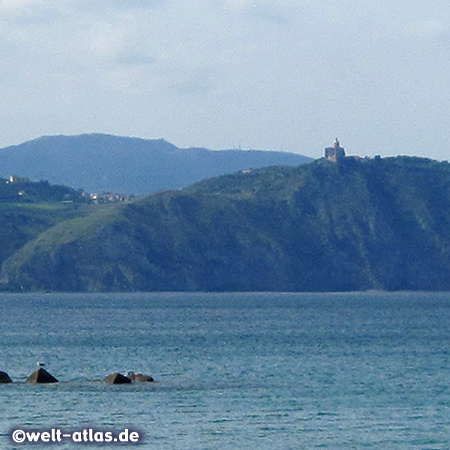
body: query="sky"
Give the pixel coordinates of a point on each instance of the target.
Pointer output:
(288, 75)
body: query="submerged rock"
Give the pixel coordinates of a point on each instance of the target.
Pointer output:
(140, 377)
(4, 378)
(117, 378)
(41, 376)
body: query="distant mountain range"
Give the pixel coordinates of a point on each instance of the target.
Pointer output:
(346, 226)
(101, 163)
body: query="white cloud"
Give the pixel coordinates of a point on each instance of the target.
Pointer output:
(426, 29)
(264, 10)
(104, 5)
(241, 4)
(18, 5)
(23, 12)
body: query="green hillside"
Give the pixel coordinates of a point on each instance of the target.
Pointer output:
(28, 208)
(355, 225)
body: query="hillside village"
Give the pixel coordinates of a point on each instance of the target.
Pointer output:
(23, 189)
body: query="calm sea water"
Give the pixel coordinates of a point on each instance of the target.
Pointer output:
(233, 371)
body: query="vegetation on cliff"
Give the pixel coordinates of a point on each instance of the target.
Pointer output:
(28, 208)
(354, 225)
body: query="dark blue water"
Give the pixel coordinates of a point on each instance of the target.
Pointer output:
(233, 371)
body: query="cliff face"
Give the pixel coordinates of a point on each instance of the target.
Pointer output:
(351, 225)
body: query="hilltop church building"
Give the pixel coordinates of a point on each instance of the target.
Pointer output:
(336, 152)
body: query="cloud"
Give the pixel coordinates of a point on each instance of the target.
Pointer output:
(119, 45)
(16, 5)
(267, 11)
(25, 12)
(121, 5)
(426, 29)
(241, 4)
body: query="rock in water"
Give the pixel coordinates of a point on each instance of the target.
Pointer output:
(117, 378)
(4, 378)
(41, 376)
(141, 377)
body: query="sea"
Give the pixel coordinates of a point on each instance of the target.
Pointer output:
(263, 371)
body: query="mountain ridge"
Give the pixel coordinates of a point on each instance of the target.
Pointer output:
(102, 162)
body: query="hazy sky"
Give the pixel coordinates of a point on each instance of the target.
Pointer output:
(287, 75)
